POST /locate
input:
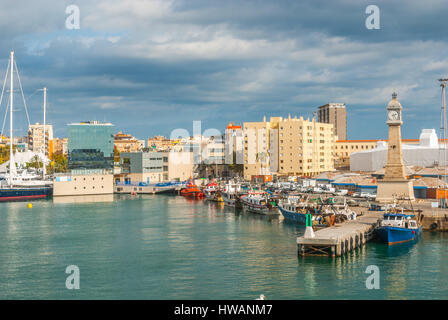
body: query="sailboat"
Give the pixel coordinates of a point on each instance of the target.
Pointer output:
(23, 186)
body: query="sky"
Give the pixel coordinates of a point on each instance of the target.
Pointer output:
(152, 66)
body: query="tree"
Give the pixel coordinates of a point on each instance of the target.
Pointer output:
(59, 163)
(4, 153)
(34, 163)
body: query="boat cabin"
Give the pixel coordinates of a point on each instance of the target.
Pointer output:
(399, 221)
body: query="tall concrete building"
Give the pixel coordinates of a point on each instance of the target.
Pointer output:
(336, 114)
(234, 144)
(290, 146)
(36, 140)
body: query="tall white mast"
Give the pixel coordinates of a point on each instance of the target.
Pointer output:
(11, 138)
(45, 138)
(443, 135)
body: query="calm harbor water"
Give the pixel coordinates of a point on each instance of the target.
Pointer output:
(168, 247)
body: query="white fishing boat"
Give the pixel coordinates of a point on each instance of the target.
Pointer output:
(230, 194)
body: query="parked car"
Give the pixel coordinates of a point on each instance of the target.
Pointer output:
(341, 192)
(356, 195)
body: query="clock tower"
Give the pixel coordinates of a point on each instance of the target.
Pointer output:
(395, 183)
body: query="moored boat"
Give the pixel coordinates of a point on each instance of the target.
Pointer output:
(17, 193)
(23, 186)
(258, 202)
(324, 213)
(192, 191)
(230, 194)
(212, 193)
(399, 228)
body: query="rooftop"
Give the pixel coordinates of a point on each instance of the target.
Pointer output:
(91, 123)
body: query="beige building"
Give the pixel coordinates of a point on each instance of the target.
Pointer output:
(71, 184)
(160, 143)
(344, 148)
(36, 141)
(127, 143)
(58, 146)
(290, 146)
(336, 114)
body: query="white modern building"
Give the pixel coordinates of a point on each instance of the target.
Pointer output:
(427, 153)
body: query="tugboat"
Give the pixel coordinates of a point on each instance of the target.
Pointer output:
(399, 228)
(192, 191)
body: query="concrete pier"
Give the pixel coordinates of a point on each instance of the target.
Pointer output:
(129, 189)
(340, 238)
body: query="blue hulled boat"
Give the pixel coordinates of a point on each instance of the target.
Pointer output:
(21, 194)
(398, 228)
(290, 212)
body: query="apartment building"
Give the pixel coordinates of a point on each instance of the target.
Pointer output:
(58, 145)
(160, 143)
(336, 114)
(234, 144)
(36, 140)
(127, 143)
(288, 146)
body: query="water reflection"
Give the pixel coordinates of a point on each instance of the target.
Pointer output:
(83, 199)
(167, 247)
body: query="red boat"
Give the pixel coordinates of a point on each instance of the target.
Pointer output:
(192, 191)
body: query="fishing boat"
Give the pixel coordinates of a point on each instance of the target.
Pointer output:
(292, 210)
(323, 213)
(230, 194)
(258, 202)
(211, 192)
(192, 191)
(399, 228)
(14, 187)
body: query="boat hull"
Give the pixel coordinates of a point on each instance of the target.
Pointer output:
(395, 235)
(228, 201)
(23, 194)
(297, 217)
(255, 208)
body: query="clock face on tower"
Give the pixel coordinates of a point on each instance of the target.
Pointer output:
(393, 115)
